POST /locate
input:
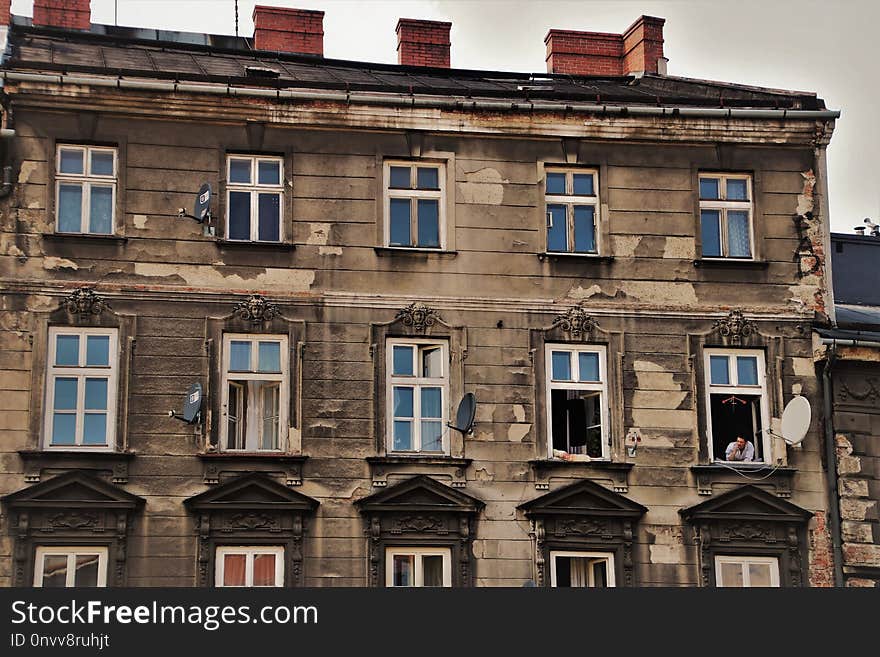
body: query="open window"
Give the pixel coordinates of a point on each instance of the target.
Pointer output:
(255, 392)
(577, 400)
(418, 396)
(736, 399)
(594, 570)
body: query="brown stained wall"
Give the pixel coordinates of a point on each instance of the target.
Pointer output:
(172, 278)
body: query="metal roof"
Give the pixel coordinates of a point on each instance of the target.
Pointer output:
(156, 54)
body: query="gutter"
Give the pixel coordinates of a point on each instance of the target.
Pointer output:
(405, 100)
(850, 343)
(831, 464)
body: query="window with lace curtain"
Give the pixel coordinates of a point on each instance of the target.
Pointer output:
(726, 215)
(249, 566)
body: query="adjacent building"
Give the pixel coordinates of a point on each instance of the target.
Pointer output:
(316, 260)
(848, 353)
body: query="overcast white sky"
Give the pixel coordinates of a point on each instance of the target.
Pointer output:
(810, 45)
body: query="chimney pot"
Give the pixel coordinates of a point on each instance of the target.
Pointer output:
(423, 43)
(65, 14)
(282, 29)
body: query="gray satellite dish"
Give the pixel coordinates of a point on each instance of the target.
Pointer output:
(202, 207)
(192, 405)
(796, 420)
(464, 417)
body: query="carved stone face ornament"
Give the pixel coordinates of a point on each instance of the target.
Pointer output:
(576, 322)
(735, 327)
(84, 301)
(419, 316)
(256, 309)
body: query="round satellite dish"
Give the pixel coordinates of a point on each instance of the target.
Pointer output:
(203, 203)
(467, 410)
(796, 420)
(193, 403)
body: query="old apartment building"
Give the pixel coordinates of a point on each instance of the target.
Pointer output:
(622, 266)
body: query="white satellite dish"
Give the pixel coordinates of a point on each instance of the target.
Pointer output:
(796, 420)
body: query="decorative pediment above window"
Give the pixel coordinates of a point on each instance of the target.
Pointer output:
(84, 302)
(256, 309)
(71, 508)
(584, 516)
(735, 330)
(585, 498)
(750, 521)
(253, 509)
(421, 493)
(252, 492)
(421, 512)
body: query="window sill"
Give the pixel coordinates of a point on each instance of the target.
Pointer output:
(730, 263)
(274, 456)
(413, 252)
(261, 246)
(618, 471)
(85, 237)
(707, 473)
(35, 460)
(239, 463)
(574, 257)
(382, 466)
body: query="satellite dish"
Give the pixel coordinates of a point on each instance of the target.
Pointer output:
(202, 207)
(796, 420)
(192, 405)
(464, 417)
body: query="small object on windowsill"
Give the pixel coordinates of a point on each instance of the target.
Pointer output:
(586, 257)
(566, 456)
(733, 263)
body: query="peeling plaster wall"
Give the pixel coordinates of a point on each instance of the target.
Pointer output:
(171, 277)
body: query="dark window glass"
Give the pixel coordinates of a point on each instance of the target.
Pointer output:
(557, 229)
(270, 225)
(428, 178)
(239, 215)
(556, 183)
(400, 178)
(429, 222)
(711, 232)
(400, 223)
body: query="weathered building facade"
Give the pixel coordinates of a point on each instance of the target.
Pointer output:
(623, 268)
(848, 353)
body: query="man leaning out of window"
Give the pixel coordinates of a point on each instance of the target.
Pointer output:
(740, 450)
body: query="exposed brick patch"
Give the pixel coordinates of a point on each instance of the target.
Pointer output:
(860, 554)
(864, 583)
(67, 14)
(821, 559)
(601, 53)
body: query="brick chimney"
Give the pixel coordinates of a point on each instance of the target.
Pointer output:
(66, 14)
(639, 49)
(281, 29)
(5, 14)
(423, 43)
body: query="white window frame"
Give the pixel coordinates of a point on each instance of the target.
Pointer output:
(414, 194)
(608, 557)
(255, 189)
(734, 389)
(416, 382)
(418, 571)
(85, 179)
(722, 205)
(110, 372)
(601, 386)
(249, 552)
(71, 553)
(569, 200)
(253, 441)
(743, 562)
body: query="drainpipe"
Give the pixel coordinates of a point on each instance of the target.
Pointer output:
(831, 464)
